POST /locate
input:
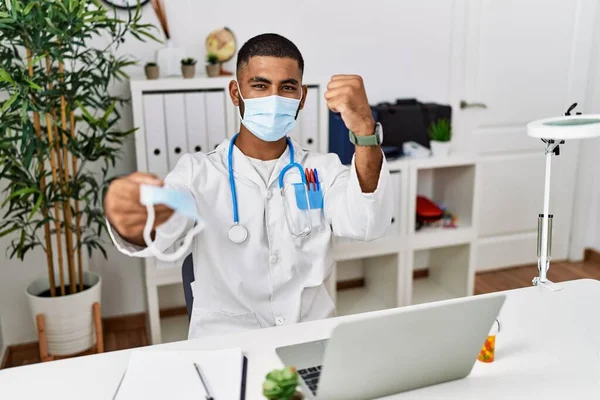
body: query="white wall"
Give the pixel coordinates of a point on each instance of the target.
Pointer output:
(401, 47)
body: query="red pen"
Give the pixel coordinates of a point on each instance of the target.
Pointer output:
(307, 174)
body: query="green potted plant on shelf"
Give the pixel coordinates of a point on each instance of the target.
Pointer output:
(281, 384)
(188, 67)
(59, 136)
(152, 70)
(213, 66)
(440, 134)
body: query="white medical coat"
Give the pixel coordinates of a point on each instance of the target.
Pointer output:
(272, 278)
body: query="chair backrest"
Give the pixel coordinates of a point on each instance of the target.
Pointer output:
(187, 273)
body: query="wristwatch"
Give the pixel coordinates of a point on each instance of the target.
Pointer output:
(373, 140)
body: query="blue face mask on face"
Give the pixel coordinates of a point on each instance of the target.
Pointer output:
(269, 118)
(183, 203)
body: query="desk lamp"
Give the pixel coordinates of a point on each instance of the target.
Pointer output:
(554, 132)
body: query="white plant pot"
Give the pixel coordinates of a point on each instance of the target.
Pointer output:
(69, 319)
(439, 149)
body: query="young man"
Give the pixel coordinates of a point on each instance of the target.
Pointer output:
(264, 269)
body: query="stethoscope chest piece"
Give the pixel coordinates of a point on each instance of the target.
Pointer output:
(237, 233)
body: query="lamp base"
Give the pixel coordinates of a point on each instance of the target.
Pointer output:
(551, 286)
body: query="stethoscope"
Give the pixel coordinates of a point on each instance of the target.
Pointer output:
(238, 232)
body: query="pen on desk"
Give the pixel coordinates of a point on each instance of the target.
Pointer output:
(209, 395)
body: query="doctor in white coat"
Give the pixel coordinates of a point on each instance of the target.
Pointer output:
(264, 273)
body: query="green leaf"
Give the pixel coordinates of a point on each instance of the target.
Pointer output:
(5, 77)
(36, 207)
(9, 102)
(28, 8)
(33, 85)
(17, 194)
(8, 231)
(8, 5)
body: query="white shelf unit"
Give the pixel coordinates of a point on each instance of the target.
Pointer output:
(174, 116)
(447, 253)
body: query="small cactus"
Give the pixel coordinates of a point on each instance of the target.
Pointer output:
(280, 384)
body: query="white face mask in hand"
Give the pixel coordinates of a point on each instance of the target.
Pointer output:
(182, 203)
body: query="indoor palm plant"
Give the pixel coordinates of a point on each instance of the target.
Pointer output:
(440, 133)
(59, 135)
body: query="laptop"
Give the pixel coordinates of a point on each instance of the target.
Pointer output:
(396, 350)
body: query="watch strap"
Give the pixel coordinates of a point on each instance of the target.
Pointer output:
(371, 140)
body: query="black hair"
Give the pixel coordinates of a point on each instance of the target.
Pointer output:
(269, 45)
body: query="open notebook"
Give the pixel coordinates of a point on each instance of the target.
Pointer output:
(156, 374)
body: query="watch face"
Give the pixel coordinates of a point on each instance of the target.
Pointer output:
(126, 4)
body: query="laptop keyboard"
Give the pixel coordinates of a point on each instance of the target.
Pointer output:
(311, 377)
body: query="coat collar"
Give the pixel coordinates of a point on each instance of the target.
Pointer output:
(244, 170)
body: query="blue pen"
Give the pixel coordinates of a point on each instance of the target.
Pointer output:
(317, 180)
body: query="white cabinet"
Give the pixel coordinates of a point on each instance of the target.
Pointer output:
(196, 115)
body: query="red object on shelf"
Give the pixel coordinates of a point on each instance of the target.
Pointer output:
(427, 210)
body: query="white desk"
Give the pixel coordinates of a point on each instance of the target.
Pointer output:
(549, 347)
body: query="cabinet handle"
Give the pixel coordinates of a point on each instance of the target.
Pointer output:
(393, 220)
(309, 141)
(177, 150)
(198, 148)
(464, 104)
(156, 152)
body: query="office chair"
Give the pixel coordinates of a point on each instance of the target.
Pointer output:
(187, 273)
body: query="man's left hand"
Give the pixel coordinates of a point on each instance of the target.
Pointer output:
(346, 94)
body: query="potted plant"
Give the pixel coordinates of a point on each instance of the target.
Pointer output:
(280, 384)
(59, 136)
(213, 66)
(152, 71)
(440, 133)
(188, 67)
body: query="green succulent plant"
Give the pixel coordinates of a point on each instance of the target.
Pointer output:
(188, 61)
(440, 130)
(212, 58)
(281, 384)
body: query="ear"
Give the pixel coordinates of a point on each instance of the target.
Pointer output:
(234, 93)
(304, 94)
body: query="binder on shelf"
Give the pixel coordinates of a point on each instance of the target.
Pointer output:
(195, 111)
(215, 116)
(177, 144)
(156, 138)
(308, 123)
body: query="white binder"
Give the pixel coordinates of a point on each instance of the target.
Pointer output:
(308, 121)
(177, 144)
(195, 111)
(156, 140)
(215, 116)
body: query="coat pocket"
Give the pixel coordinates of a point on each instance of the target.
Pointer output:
(316, 304)
(208, 323)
